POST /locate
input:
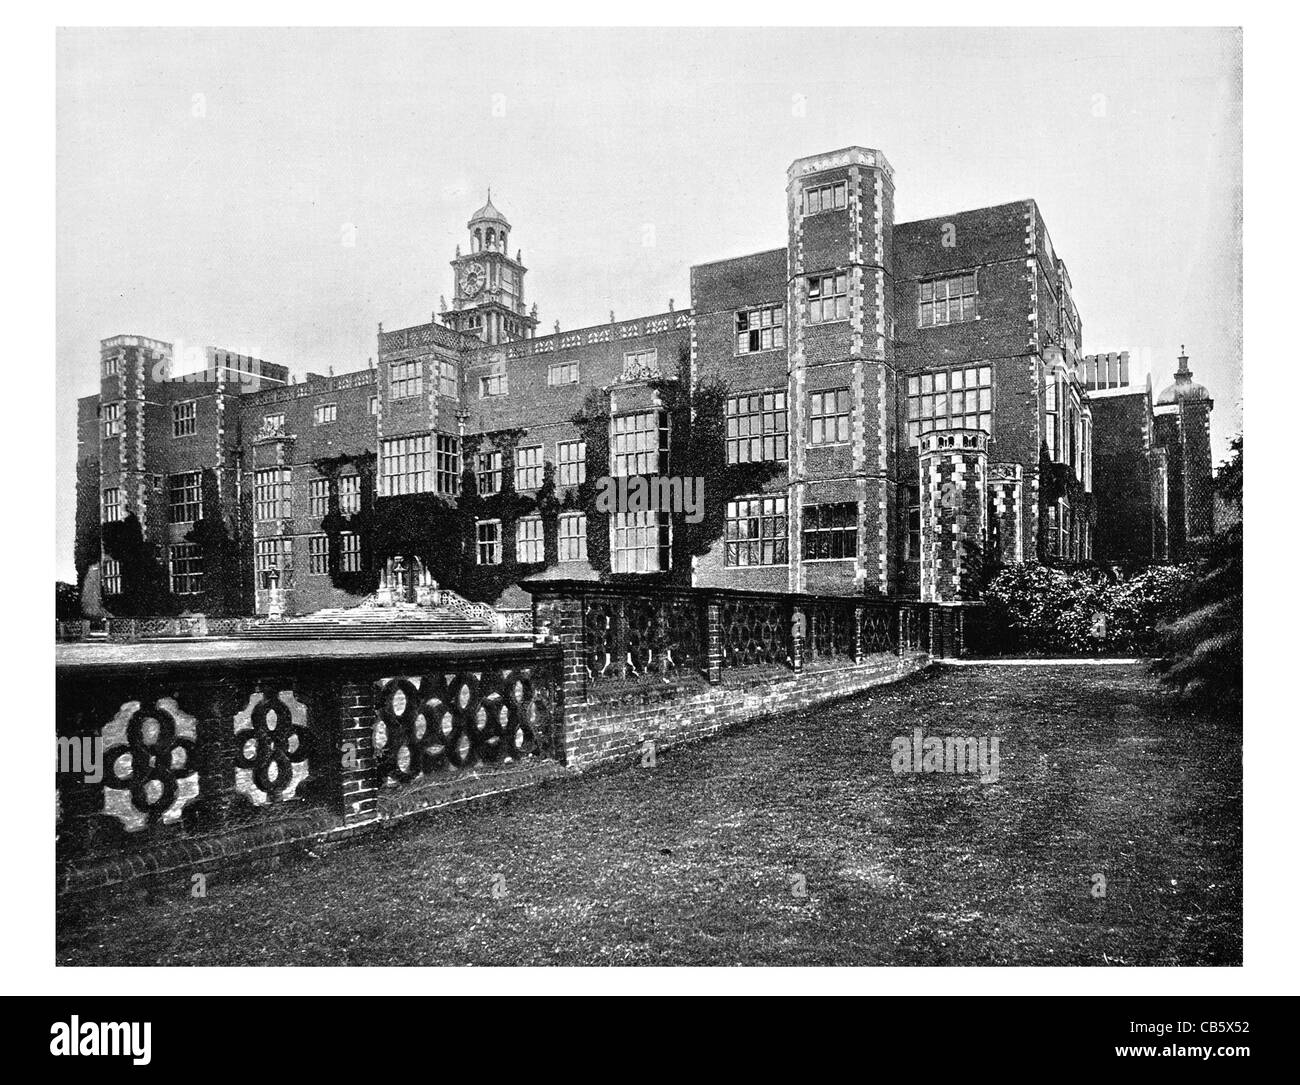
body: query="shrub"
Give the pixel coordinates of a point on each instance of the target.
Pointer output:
(1202, 645)
(1041, 609)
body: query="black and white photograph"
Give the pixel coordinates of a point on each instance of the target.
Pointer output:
(663, 499)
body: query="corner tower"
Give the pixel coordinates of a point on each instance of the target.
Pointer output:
(488, 301)
(843, 383)
(1182, 416)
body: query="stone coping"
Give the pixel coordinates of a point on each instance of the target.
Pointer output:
(238, 654)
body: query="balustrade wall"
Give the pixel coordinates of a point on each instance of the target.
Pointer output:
(214, 749)
(274, 744)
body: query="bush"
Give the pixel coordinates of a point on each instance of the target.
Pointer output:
(1202, 643)
(1039, 609)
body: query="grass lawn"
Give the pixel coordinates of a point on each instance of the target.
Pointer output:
(697, 860)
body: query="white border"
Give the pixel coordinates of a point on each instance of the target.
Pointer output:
(1271, 952)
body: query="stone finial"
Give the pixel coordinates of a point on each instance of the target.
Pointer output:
(671, 306)
(557, 327)
(442, 303)
(611, 316)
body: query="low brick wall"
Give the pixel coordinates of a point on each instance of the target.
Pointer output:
(620, 721)
(195, 755)
(217, 752)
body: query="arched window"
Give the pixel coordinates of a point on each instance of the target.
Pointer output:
(478, 240)
(491, 238)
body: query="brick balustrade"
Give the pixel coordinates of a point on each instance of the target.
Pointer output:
(214, 750)
(211, 749)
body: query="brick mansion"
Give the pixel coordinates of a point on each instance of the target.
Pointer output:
(876, 408)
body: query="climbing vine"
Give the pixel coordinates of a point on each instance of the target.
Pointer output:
(361, 523)
(145, 590)
(226, 589)
(1057, 480)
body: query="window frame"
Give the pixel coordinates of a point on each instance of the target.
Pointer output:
(113, 420)
(839, 416)
(564, 367)
(185, 424)
(817, 298)
(272, 492)
(280, 548)
(749, 330)
(574, 542)
(493, 385)
(318, 555)
(817, 535)
(740, 414)
(105, 505)
(925, 386)
(448, 378)
(446, 464)
(631, 456)
(530, 537)
(413, 454)
(405, 378)
(318, 498)
(525, 471)
(349, 494)
(110, 575)
(946, 281)
(190, 580)
(349, 552)
(573, 470)
(494, 471)
(191, 499)
(493, 543)
(659, 545)
(772, 530)
(837, 189)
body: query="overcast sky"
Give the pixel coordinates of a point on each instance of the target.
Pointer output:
(207, 180)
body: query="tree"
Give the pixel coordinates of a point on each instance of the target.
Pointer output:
(1203, 644)
(67, 601)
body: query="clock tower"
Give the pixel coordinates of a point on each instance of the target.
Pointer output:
(489, 290)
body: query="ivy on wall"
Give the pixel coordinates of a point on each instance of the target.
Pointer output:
(697, 449)
(145, 590)
(226, 587)
(87, 544)
(364, 580)
(704, 455)
(1057, 480)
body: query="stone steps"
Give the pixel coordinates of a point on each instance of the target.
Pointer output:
(376, 622)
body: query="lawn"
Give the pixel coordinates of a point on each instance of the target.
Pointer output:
(700, 860)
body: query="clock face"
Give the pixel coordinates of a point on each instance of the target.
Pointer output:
(472, 279)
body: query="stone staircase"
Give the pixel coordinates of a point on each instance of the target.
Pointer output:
(375, 622)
